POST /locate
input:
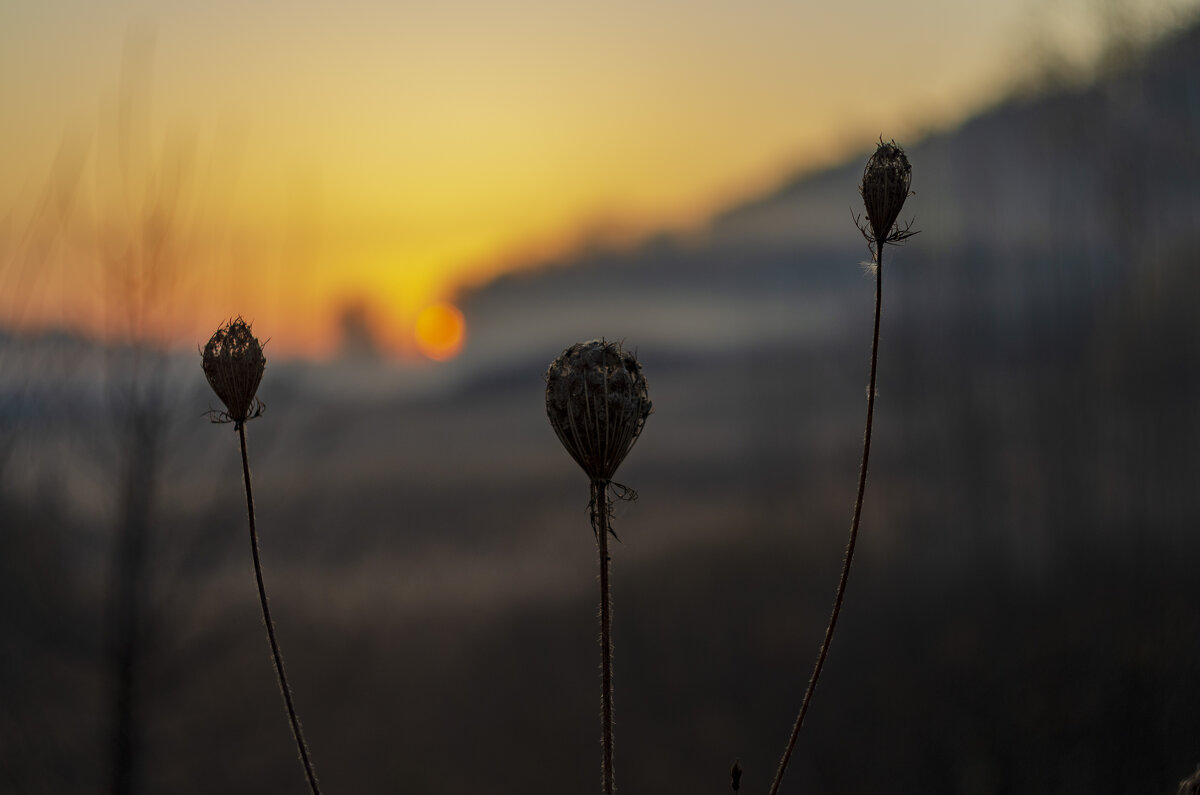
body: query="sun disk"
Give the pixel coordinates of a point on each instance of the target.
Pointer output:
(440, 331)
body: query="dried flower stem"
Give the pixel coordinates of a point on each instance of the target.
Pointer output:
(266, 611)
(858, 503)
(597, 402)
(600, 510)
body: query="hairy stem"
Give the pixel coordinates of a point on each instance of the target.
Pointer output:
(266, 611)
(858, 503)
(600, 525)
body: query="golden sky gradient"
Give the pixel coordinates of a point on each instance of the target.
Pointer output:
(180, 162)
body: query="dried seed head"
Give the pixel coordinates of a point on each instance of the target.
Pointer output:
(233, 363)
(597, 402)
(885, 186)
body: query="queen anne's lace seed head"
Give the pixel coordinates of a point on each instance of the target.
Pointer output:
(233, 362)
(597, 402)
(886, 181)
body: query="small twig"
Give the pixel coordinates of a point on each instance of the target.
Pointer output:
(600, 523)
(858, 503)
(266, 611)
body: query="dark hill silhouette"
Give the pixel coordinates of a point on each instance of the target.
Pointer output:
(1058, 198)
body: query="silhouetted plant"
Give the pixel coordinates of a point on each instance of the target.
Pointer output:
(885, 186)
(597, 402)
(233, 362)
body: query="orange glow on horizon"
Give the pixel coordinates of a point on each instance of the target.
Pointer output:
(174, 170)
(440, 331)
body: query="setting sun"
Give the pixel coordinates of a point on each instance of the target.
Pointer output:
(440, 331)
(412, 152)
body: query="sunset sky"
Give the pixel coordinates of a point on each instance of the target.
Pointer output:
(376, 157)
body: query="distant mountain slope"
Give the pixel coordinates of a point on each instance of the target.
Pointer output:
(1027, 169)
(1097, 181)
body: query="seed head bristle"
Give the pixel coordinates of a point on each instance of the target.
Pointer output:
(886, 183)
(233, 362)
(597, 402)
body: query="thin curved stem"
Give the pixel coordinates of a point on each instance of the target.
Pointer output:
(600, 525)
(858, 503)
(266, 611)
